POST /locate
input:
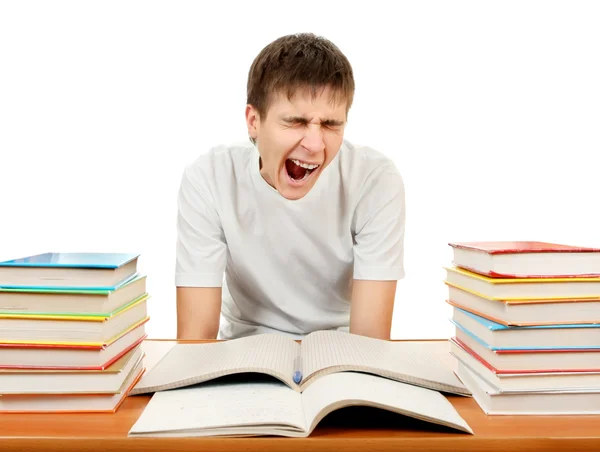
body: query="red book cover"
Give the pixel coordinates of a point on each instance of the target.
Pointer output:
(495, 248)
(100, 367)
(504, 247)
(470, 351)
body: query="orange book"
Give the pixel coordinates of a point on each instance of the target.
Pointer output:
(70, 355)
(524, 288)
(525, 312)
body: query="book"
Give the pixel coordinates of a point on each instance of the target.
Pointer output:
(531, 360)
(70, 355)
(63, 302)
(242, 407)
(71, 402)
(320, 353)
(564, 336)
(502, 381)
(524, 312)
(38, 328)
(100, 271)
(526, 259)
(52, 381)
(523, 288)
(493, 402)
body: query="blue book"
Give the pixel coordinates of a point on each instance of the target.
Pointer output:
(498, 337)
(66, 271)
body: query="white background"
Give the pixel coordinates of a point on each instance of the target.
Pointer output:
(491, 110)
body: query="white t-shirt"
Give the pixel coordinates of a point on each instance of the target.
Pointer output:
(286, 266)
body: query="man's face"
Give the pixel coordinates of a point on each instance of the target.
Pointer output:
(297, 139)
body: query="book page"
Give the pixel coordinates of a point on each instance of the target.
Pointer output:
(155, 351)
(339, 390)
(332, 351)
(219, 407)
(188, 364)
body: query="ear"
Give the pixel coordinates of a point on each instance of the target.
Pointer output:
(252, 121)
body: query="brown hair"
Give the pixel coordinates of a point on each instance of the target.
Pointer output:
(298, 61)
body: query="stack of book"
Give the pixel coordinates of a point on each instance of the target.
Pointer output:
(71, 329)
(527, 332)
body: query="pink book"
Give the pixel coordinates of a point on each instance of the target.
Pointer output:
(526, 259)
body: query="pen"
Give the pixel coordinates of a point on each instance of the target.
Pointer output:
(298, 370)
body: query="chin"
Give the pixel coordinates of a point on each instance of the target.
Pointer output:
(293, 195)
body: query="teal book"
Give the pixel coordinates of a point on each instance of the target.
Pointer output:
(67, 271)
(16, 302)
(502, 338)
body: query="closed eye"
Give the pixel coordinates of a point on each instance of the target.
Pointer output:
(332, 124)
(295, 121)
(300, 121)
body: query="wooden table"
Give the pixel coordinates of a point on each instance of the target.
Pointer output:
(347, 430)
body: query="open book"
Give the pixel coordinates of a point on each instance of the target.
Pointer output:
(319, 354)
(226, 407)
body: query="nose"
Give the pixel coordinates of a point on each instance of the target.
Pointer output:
(313, 139)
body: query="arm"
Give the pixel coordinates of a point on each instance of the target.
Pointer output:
(200, 260)
(372, 307)
(378, 253)
(198, 312)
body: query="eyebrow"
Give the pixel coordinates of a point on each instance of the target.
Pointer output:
(303, 120)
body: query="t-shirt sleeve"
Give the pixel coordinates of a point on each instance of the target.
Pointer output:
(379, 227)
(201, 250)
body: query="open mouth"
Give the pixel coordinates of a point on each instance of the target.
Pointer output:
(299, 171)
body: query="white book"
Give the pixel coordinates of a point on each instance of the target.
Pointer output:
(494, 402)
(269, 407)
(319, 354)
(533, 360)
(525, 382)
(72, 402)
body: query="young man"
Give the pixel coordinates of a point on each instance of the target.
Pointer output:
(307, 228)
